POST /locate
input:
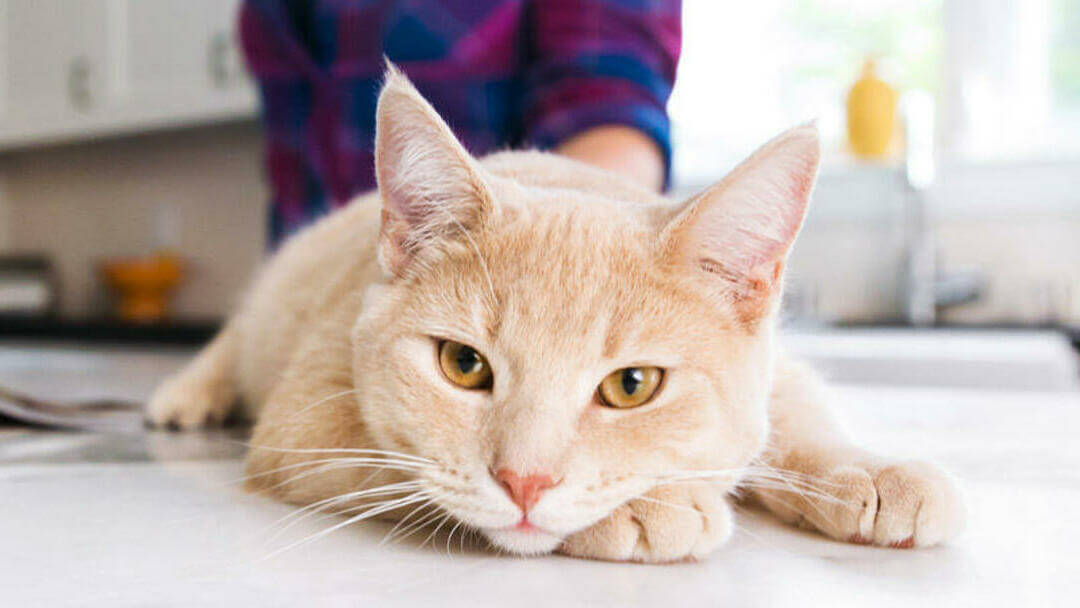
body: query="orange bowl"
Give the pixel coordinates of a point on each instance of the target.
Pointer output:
(142, 285)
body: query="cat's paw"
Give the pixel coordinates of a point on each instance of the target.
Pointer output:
(187, 401)
(670, 523)
(900, 505)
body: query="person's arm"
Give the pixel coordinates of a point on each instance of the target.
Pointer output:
(621, 149)
(599, 76)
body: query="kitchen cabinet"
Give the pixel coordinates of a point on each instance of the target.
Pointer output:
(72, 71)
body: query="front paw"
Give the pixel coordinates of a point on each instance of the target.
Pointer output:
(900, 505)
(188, 402)
(669, 523)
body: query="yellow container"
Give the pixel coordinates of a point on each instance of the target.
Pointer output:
(871, 114)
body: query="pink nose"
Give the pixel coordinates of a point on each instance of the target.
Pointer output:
(524, 490)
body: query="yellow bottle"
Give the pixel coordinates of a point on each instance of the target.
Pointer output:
(871, 114)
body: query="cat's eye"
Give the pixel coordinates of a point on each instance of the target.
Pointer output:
(463, 366)
(630, 386)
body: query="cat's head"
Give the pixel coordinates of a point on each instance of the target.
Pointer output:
(558, 341)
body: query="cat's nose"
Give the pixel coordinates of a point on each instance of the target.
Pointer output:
(524, 490)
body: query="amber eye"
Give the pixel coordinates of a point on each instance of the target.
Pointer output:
(464, 366)
(630, 386)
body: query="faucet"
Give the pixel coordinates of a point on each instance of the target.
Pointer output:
(925, 287)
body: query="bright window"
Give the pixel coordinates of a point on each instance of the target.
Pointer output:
(1005, 74)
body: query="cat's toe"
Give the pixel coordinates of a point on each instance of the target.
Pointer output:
(666, 525)
(846, 507)
(178, 406)
(919, 506)
(681, 522)
(612, 538)
(899, 505)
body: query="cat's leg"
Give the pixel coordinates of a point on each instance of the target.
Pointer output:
(204, 392)
(306, 443)
(669, 523)
(841, 490)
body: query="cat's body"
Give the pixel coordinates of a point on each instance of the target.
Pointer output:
(557, 275)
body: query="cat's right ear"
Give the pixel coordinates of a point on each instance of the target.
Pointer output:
(431, 188)
(736, 234)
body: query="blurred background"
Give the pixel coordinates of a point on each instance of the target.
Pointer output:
(133, 196)
(992, 89)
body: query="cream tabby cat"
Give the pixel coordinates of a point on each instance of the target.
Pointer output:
(550, 356)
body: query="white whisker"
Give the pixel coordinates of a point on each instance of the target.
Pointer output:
(664, 503)
(316, 507)
(376, 510)
(450, 537)
(339, 451)
(389, 535)
(757, 477)
(442, 522)
(326, 399)
(354, 461)
(420, 524)
(338, 466)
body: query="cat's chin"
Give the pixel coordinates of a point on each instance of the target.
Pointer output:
(532, 541)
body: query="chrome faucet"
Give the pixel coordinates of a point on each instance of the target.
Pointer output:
(924, 287)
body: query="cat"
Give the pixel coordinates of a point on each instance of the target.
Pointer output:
(550, 355)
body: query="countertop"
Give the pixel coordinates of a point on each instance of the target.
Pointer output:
(158, 519)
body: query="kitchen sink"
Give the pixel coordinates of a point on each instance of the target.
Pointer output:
(981, 359)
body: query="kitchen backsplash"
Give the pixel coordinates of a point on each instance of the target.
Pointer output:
(198, 191)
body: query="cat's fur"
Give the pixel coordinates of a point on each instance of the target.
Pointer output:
(559, 274)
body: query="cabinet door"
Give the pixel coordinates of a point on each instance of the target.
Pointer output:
(179, 49)
(76, 69)
(52, 58)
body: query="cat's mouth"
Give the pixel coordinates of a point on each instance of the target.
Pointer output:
(524, 538)
(525, 526)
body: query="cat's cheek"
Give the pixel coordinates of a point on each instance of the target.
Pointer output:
(376, 312)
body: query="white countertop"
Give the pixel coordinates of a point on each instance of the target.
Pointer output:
(157, 520)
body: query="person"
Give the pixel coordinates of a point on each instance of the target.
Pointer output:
(588, 79)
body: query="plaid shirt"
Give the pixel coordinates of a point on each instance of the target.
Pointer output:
(504, 73)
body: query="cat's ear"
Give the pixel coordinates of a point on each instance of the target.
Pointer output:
(431, 188)
(737, 233)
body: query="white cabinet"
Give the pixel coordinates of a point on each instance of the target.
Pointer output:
(77, 69)
(49, 50)
(200, 53)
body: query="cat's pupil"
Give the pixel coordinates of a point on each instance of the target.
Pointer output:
(468, 360)
(632, 377)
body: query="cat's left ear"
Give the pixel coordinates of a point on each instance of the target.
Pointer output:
(431, 188)
(736, 235)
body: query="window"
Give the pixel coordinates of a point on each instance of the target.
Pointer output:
(1005, 74)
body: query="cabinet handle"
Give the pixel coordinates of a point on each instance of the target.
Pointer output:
(79, 72)
(218, 55)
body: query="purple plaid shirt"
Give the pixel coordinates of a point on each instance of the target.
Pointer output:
(504, 73)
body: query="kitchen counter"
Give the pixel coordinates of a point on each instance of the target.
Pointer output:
(158, 519)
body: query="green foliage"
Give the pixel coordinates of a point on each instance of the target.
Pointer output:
(1065, 52)
(841, 34)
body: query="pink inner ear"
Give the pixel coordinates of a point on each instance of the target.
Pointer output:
(752, 224)
(429, 185)
(742, 228)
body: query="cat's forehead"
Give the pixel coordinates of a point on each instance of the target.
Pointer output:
(570, 261)
(566, 278)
